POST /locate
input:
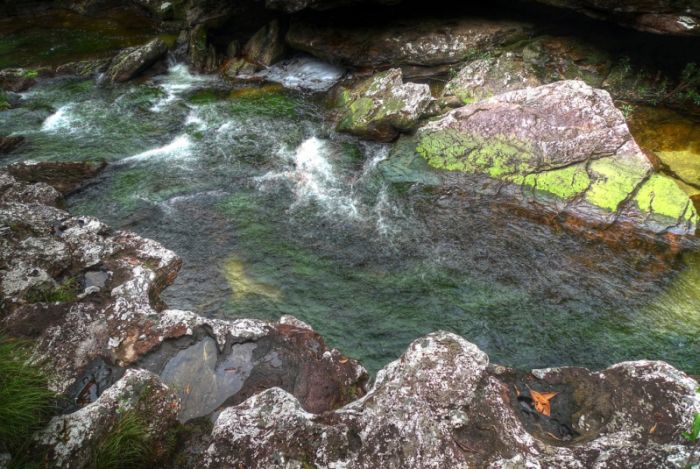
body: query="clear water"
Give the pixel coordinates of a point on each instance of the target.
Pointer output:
(274, 213)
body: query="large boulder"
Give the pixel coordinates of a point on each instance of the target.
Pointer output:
(381, 107)
(674, 17)
(442, 405)
(411, 42)
(131, 61)
(567, 148)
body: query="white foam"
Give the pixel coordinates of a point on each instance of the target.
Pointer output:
(303, 73)
(314, 179)
(179, 148)
(61, 120)
(175, 82)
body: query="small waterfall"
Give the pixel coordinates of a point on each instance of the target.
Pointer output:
(61, 120)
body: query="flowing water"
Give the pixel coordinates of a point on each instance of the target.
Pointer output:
(274, 213)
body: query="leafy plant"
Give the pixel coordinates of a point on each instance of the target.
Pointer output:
(25, 400)
(127, 445)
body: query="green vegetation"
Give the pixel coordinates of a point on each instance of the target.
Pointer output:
(268, 101)
(127, 445)
(25, 400)
(693, 436)
(456, 151)
(663, 196)
(66, 291)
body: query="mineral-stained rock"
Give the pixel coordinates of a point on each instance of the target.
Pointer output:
(442, 405)
(70, 440)
(87, 296)
(674, 17)
(129, 62)
(65, 177)
(412, 42)
(382, 106)
(568, 148)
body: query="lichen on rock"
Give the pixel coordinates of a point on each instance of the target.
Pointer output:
(382, 106)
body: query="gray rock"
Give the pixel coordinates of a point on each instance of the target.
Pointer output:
(266, 46)
(130, 62)
(442, 405)
(70, 439)
(403, 43)
(382, 106)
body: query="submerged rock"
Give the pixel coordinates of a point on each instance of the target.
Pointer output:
(129, 62)
(9, 143)
(382, 106)
(65, 177)
(413, 42)
(442, 405)
(568, 148)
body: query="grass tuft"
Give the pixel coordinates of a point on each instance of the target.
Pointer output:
(127, 445)
(25, 400)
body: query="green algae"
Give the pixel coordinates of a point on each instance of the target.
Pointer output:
(615, 181)
(663, 196)
(457, 151)
(565, 183)
(263, 102)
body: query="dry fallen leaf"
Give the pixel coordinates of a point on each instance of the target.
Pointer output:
(343, 360)
(653, 429)
(541, 400)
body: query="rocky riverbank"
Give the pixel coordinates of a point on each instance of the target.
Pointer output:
(524, 114)
(276, 396)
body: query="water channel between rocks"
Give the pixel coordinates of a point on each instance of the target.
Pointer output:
(273, 213)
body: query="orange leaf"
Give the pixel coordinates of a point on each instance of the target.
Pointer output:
(343, 360)
(541, 400)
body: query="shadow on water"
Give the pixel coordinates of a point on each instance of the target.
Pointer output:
(273, 213)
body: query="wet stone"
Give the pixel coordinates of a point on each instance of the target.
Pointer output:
(202, 380)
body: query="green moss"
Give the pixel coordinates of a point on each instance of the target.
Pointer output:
(25, 400)
(663, 196)
(566, 183)
(615, 181)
